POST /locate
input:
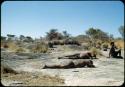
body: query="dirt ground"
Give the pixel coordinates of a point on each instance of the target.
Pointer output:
(108, 72)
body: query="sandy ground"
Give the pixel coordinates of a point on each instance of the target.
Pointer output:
(108, 71)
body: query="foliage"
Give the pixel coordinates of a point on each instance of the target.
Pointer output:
(97, 34)
(119, 44)
(81, 38)
(40, 48)
(10, 37)
(121, 31)
(20, 50)
(12, 46)
(65, 34)
(105, 45)
(53, 34)
(28, 39)
(3, 38)
(22, 37)
(95, 51)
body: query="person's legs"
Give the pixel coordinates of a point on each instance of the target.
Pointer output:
(118, 52)
(73, 56)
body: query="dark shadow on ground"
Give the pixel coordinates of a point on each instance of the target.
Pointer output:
(118, 57)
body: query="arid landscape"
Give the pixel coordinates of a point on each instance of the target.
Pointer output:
(62, 43)
(29, 70)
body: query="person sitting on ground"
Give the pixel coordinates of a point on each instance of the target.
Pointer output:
(113, 52)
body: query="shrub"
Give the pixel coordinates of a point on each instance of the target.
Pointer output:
(40, 48)
(119, 44)
(20, 49)
(105, 45)
(86, 47)
(95, 51)
(98, 44)
(12, 46)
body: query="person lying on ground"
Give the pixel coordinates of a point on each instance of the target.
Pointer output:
(82, 55)
(71, 64)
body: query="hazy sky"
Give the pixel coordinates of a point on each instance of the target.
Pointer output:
(35, 18)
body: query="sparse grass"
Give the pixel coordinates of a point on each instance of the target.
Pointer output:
(40, 48)
(15, 48)
(12, 46)
(34, 79)
(20, 50)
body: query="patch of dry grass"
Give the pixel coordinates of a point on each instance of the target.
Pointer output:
(95, 51)
(20, 50)
(15, 48)
(33, 79)
(119, 44)
(40, 48)
(12, 46)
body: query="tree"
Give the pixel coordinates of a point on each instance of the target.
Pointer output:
(28, 39)
(65, 34)
(111, 37)
(101, 35)
(59, 36)
(53, 34)
(3, 38)
(91, 33)
(22, 37)
(81, 38)
(10, 37)
(95, 35)
(121, 31)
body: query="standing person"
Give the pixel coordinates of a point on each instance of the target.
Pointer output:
(113, 52)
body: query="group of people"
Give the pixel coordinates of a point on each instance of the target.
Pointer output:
(114, 52)
(84, 55)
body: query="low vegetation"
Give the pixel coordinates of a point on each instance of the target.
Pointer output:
(40, 48)
(119, 44)
(20, 50)
(12, 46)
(96, 51)
(105, 45)
(93, 38)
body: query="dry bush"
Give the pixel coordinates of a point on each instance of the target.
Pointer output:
(35, 79)
(98, 44)
(119, 44)
(95, 51)
(105, 45)
(20, 50)
(40, 48)
(12, 46)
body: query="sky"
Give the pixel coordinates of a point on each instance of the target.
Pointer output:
(35, 18)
